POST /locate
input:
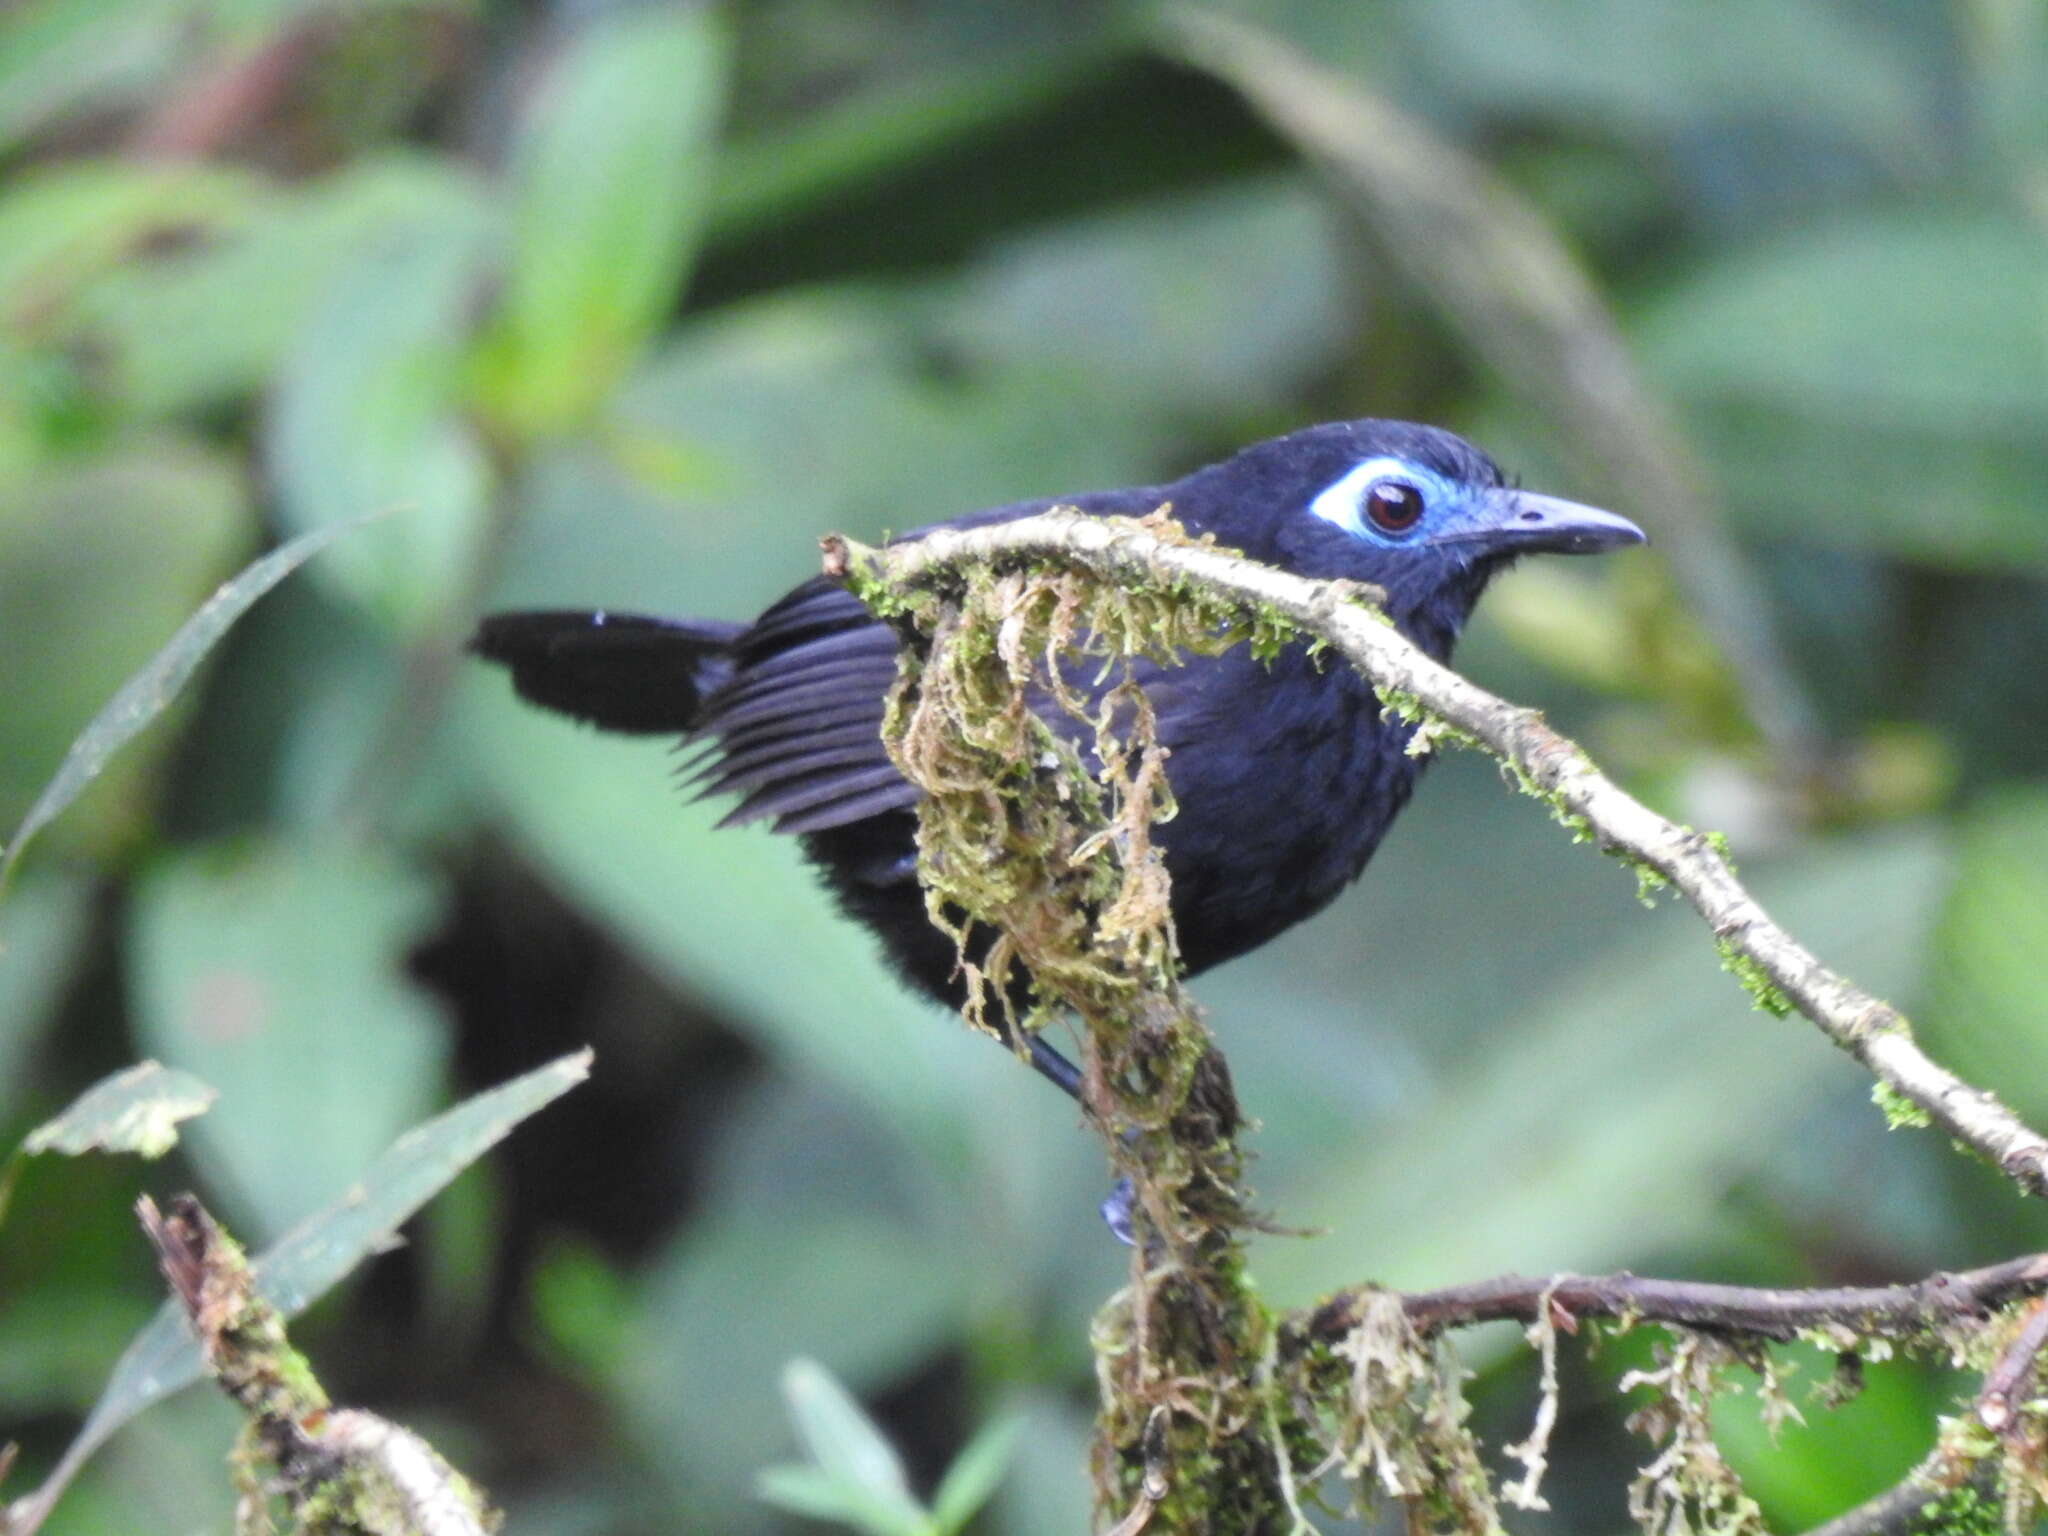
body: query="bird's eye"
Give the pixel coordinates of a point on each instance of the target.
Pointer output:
(1394, 506)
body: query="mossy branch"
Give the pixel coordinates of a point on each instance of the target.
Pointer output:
(1019, 716)
(340, 1472)
(1780, 972)
(1039, 790)
(1944, 1301)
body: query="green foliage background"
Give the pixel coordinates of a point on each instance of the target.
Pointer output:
(622, 305)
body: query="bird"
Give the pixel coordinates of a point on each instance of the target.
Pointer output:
(1287, 772)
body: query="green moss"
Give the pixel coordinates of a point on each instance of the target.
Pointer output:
(1900, 1112)
(1765, 994)
(1400, 1416)
(1035, 846)
(1689, 1486)
(1650, 881)
(1560, 812)
(1964, 1511)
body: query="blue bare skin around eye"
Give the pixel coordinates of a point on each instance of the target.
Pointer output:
(1343, 505)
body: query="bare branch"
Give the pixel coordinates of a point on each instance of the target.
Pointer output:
(1884, 1311)
(1781, 972)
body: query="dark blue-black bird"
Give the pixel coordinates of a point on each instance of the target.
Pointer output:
(1286, 772)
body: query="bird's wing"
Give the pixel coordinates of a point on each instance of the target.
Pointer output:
(797, 730)
(617, 671)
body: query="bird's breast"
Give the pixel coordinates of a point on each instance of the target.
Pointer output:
(1286, 777)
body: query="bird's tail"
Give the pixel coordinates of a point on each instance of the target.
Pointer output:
(616, 671)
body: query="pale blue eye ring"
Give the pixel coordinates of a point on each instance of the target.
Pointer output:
(1380, 500)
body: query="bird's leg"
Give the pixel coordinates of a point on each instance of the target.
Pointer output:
(1065, 1076)
(1055, 1068)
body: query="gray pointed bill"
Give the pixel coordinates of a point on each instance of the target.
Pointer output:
(1533, 524)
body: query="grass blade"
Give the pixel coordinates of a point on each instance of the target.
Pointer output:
(149, 691)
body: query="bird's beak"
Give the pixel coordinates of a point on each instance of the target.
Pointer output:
(1526, 523)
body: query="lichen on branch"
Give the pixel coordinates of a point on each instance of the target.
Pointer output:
(1019, 713)
(1771, 963)
(1020, 716)
(338, 1472)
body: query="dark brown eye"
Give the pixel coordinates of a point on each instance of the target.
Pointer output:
(1394, 506)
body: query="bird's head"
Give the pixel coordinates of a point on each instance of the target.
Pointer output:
(1414, 510)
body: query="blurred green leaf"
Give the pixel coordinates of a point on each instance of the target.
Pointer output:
(307, 1261)
(1641, 1076)
(611, 176)
(163, 1474)
(365, 421)
(40, 931)
(276, 973)
(64, 224)
(54, 1339)
(1879, 380)
(580, 1304)
(135, 1110)
(818, 1495)
(2007, 44)
(852, 1456)
(62, 57)
(855, 1288)
(1669, 67)
(1986, 1019)
(764, 426)
(842, 146)
(192, 519)
(301, 1266)
(976, 1473)
(205, 321)
(1211, 303)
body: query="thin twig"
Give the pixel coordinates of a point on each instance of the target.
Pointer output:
(1916, 1503)
(1883, 1311)
(1551, 766)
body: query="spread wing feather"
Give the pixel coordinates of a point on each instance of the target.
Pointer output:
(817, 791)
(893, 796)
(797, 726)
(808, 756)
